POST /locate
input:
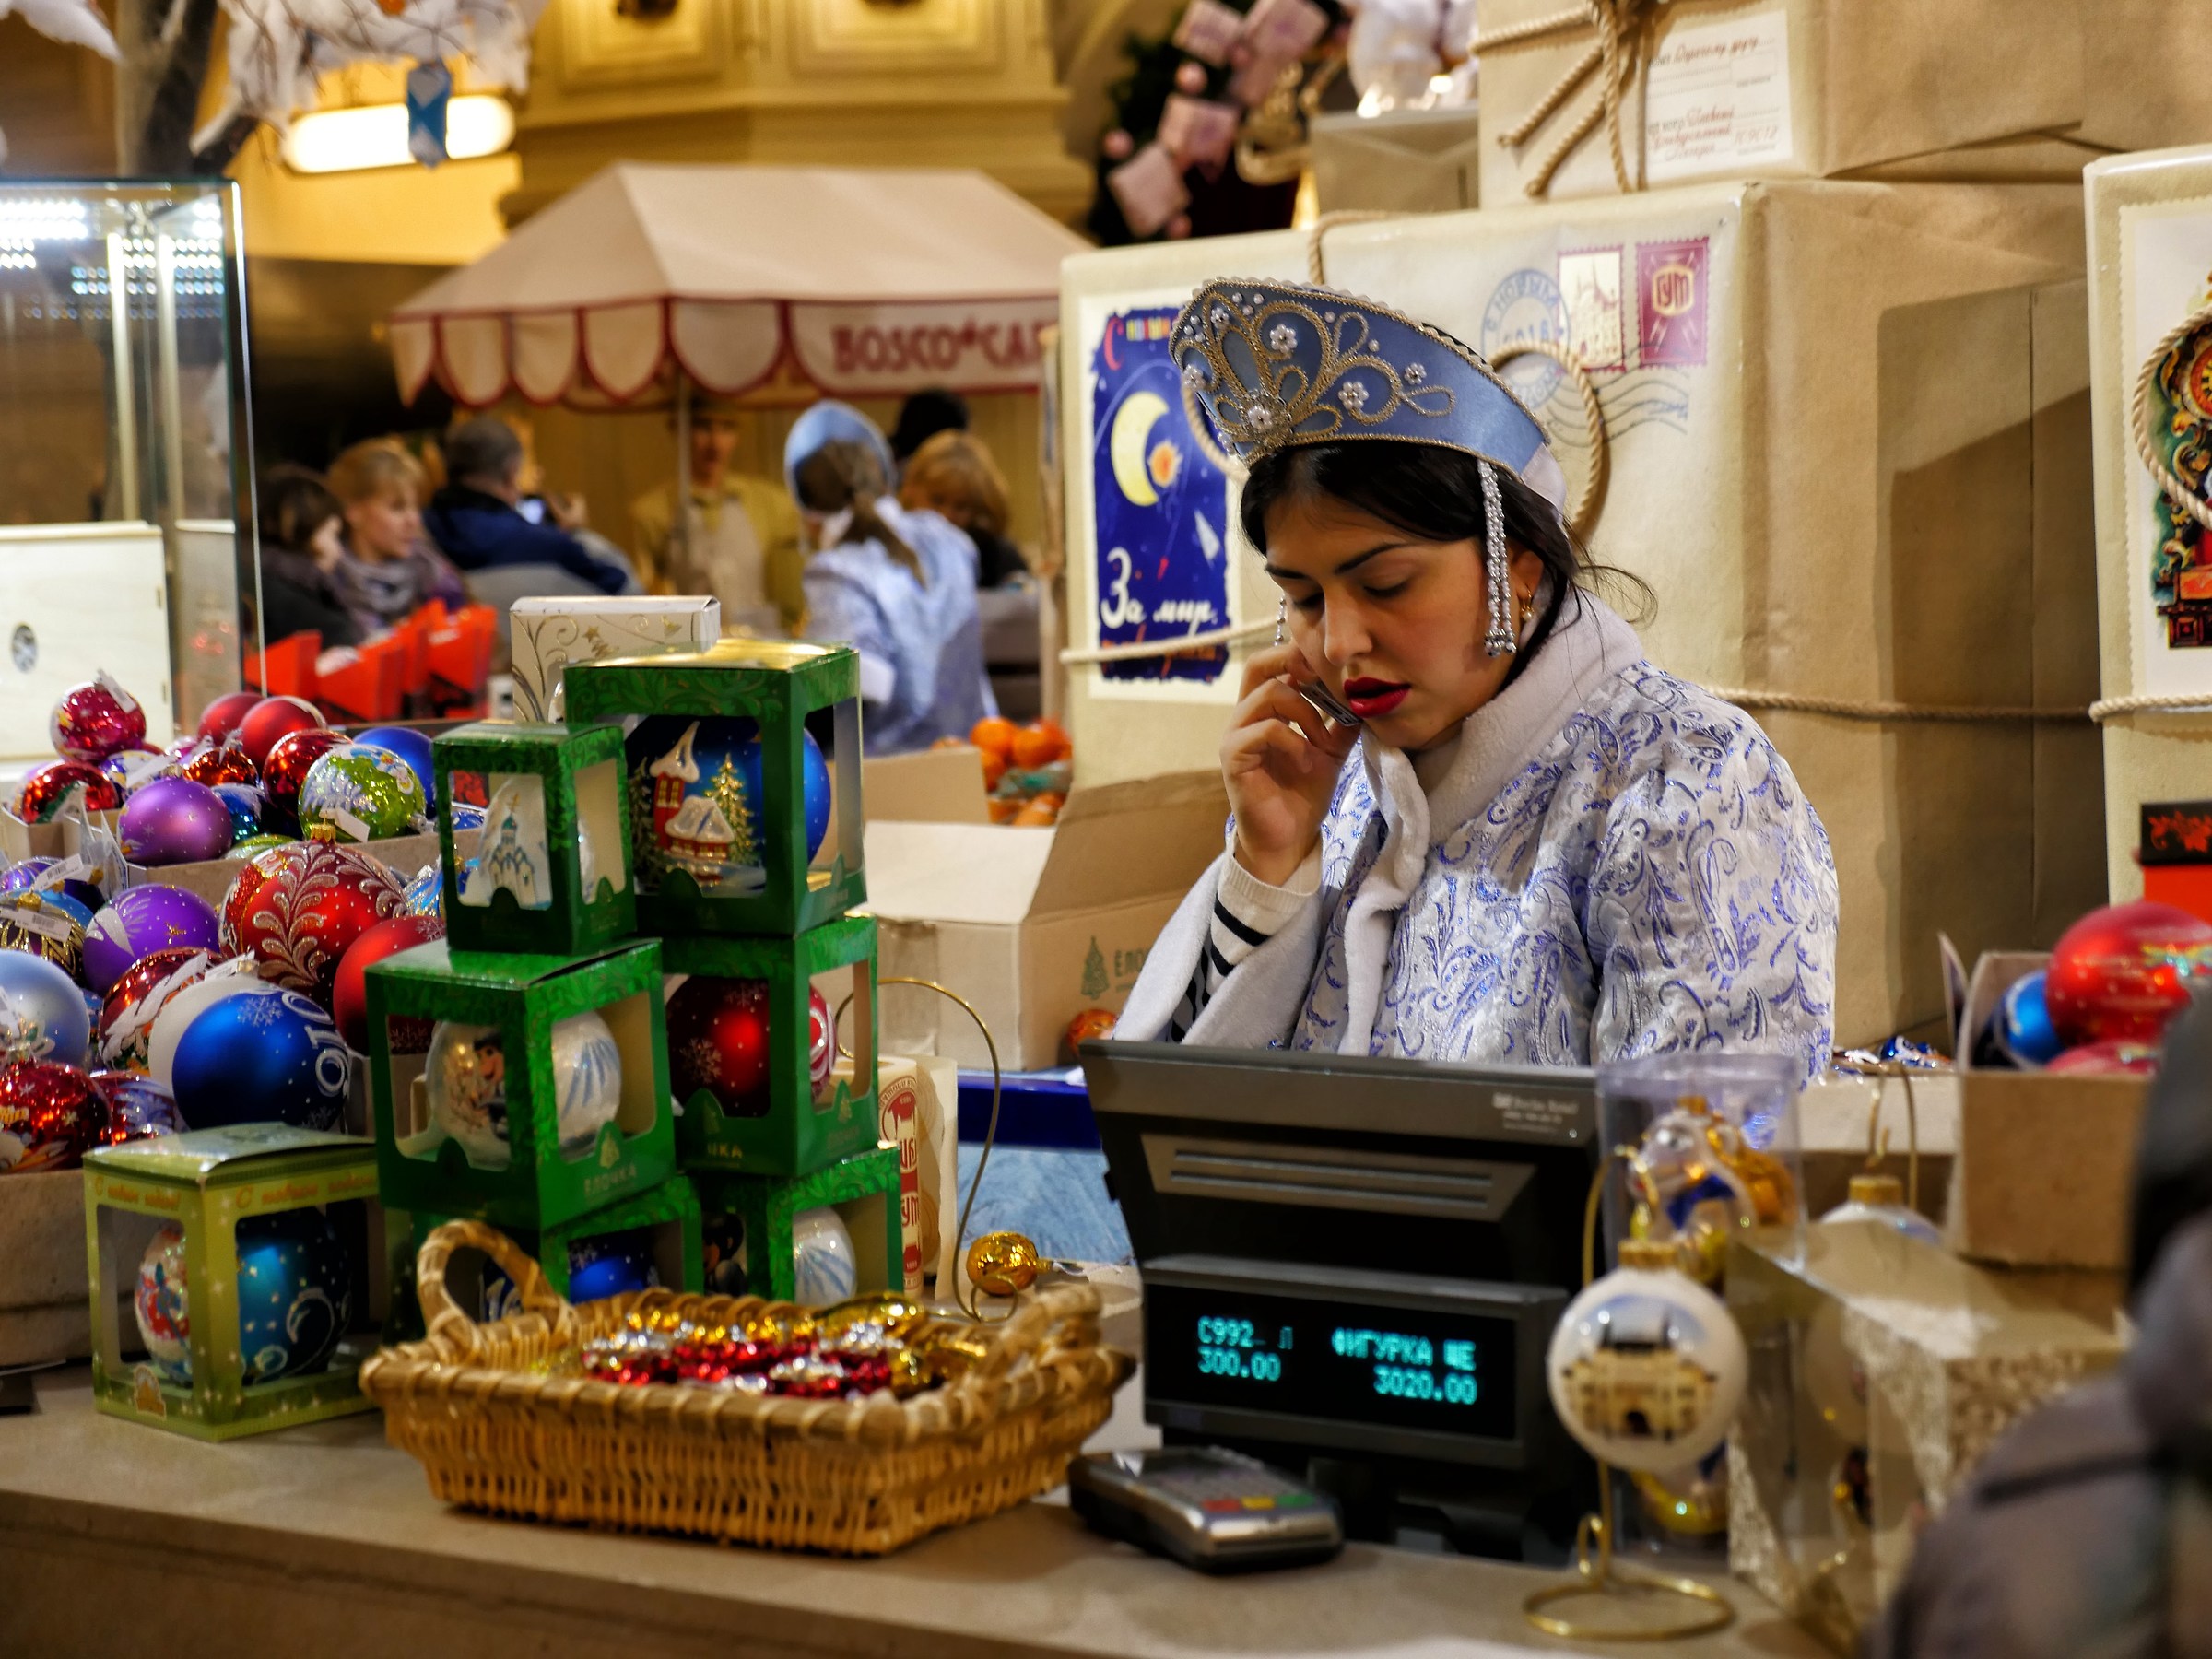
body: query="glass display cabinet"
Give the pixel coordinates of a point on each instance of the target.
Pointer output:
(126, 498)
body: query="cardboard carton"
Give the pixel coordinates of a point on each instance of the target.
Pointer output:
(1405, 161)
(1034, 926)
(43, 1280)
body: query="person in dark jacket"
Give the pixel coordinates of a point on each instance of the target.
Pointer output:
(2086, 1531)
(300, 552)
(477, 524)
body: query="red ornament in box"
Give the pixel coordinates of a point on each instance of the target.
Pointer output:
(94, 720)
(222, 763)
(297, 908)
(49, 1116)
(271, 718)
(45, 786)
(2120, 973)
(221, 718)
(718, 1042)
(349, 993)
(821, 1039)
(287, 766)
(2115, 1059)
(126, 1017)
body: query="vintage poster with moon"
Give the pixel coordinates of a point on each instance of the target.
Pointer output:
(2166, 254)
(1158, 508)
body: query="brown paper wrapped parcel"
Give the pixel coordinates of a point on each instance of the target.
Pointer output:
(1845, 450)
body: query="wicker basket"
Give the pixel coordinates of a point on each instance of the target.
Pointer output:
(854, 1478)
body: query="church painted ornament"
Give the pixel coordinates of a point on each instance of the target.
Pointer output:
(46, 924)
(1646, 1368)
(360, 794)
(138, 1108)
(214, 763)
(125, 1021)
(49, 1116)
(466, 1084)
(350, 992)
(271, 720)
(512, 856)
(698, 799)
(718, 1043)
(42, 1013)
(164, 1304)
(173, 821)
(92, 721)
(140, 921)
(824, 1267)
(285, 772)
(46, 786)
(265, 1056)
(296, 909)
(2121, 972)
(295, 1294)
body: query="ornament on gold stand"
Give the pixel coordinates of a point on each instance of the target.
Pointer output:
(1875, 1196)
(1645, 1372)
(1696, 1182)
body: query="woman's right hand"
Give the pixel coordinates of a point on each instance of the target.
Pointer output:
(1280, 784)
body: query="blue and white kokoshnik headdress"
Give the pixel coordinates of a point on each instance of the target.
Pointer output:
(1279, 364)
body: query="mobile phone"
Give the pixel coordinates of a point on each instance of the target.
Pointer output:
(1326, 702)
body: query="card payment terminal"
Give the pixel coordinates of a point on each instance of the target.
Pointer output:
(1206, 1508)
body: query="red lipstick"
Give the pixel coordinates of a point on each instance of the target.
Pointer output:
(1373, 699)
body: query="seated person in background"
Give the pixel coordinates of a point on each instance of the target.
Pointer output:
(740, 539)
(475, 523)
(952, 475)
(920, 418)
(301, 551)
(390, 571)
(898, 586)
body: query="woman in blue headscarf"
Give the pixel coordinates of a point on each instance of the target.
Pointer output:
(896, 584)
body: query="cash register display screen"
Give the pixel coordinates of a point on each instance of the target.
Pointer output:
(1438, 1372)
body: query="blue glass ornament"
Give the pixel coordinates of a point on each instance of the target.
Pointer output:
(263, 1056)
(425, 896)
(295, 1293)
(410, 746)
(249, 809)
(467, 817)
(42, 1011)
(610, 1263)
(681, 767)
(2025, 1030)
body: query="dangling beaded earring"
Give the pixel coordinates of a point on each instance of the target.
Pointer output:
(1499, 641)
(1282, 616)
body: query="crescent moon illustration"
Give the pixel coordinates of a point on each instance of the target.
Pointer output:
(1133, 423)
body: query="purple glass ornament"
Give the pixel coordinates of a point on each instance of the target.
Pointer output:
(18, 878)
(174, 820)
(143, 920)
(138, 1107)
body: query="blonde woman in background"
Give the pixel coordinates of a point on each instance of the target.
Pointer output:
(953, 476)
(390, 569)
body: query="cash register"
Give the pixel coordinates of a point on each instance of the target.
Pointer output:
(1351, 1270)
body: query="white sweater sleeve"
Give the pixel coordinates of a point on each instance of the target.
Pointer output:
(1247, 913)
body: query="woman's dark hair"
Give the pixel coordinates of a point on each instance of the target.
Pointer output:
(844, 476)
(1433, 494)
(295, 503)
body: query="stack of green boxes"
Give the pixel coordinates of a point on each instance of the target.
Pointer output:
(542, 1106)
(787, 924)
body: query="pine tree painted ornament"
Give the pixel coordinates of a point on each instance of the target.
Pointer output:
(295, 1293)
(265, 1056)
(46, 786)
(140, 921)
(2122, 971)
(174, 820)
(221, 718)
(283, 774)
(350, 992)
(92, 721)
(45, 924)
(718, 1042)
(42, 1014)
(295, 909)
(269, 721)
(138, 1108)
(213, 763)
(360, 794)
(49, 1116)
(126, 1023)
(164, 1304)
(249, 804)
(824, 1267)
(697, 800)
(1646, 1368)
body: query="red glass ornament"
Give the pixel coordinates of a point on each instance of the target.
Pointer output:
(2118, 1059)
(298, 908)
(718, 1042)
(126, 1018)
(349, 993)
(92, 721)
(821, 1038)
(222, 763)
(271, 718)
(49, 1116)
(44, 787)
(286, 768)
(2120, 973)
(221, 718)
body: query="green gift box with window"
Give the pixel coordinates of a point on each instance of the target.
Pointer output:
(765, 1234)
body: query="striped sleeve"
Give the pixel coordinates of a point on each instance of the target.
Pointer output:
(1247, 913)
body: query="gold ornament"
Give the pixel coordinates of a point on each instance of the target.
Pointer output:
(1002, 1263)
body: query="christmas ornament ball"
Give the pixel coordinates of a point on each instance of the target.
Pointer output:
(45, 786)
(283, 774)
(359, 794)
(465, 1079)
(221, 718)
(19, 877)
(126, 1023)
(138, 1108)
(2024, 1028)
(692, 780)
(213, 763)
(164, 1304)
(273, 718)
(410, 746)
(718, 1043)
(49, 1116)
(268, 1055)
(174, 820)
(1881, 1200)
(249, 804)
(2122, 972)
(824, 1267)
(296, 909)
(611, 1264)
(140, 921)
(253, 846)
(184, 1003)
(1646, 1368)
(821, 1039)
(127, 768)
(1002, 1263)
(425, 896)
(721, 1241)
(295, 1293)
(42, 1013)
(587, 1080)
(92, 721)
(2120, 1057)
(46, 924)
(350, 990)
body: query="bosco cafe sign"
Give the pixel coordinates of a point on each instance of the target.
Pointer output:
(969, 346)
